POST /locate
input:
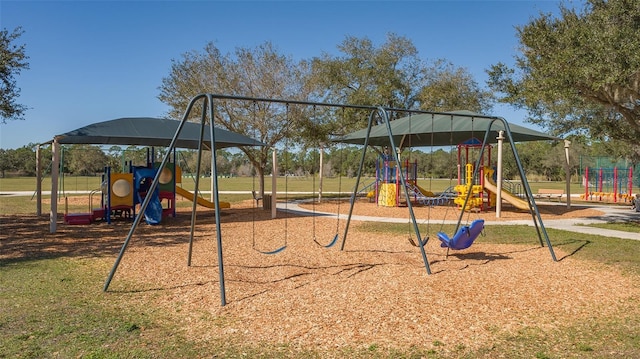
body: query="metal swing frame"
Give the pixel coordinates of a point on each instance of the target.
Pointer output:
(382, 115)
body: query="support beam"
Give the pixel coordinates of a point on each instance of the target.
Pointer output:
(38, 181)
(500, 139)
(55, 165)
(567, 172)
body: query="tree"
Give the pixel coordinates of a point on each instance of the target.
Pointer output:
(14, 60)
(391, 75)
(6, 161)
(25, 160)
(136, 155)
(115, 159)
(261, 72)
(365, 75)
(580, 72)
(85, 160)
(447, 88)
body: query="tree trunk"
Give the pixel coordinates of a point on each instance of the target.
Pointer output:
(261, 180)
(320, 174)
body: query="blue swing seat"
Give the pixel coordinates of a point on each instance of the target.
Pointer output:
(275, 251)
(464, 237)
(333, 241)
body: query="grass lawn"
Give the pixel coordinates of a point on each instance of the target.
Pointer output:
(292, 184)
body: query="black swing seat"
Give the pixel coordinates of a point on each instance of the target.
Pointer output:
(464, 237)
(422, 243)
(256, 197)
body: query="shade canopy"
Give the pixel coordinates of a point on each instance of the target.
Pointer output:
(451, 128)
(147, 131)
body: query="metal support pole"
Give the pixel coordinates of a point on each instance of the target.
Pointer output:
(499, 175)
(567, 143)
(274, 184)
(38, 181)
(53, 214)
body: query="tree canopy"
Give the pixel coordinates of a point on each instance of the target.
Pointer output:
(579, 72)
(391, 75)
(260, 72)
(14, 60)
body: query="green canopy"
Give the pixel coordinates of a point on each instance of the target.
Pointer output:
(147, 131)
(451, 128)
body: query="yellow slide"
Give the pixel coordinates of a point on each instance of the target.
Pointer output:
(425, 192)
(506, 195)
(201, 201)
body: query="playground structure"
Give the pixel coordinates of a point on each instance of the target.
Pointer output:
(608, 184)
(386, 188)
(122, 193)
(119, 195)
(481, 189)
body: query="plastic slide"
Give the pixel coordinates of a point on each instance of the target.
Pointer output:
(490, 185)
(199, 200)
(153, 212)
(424, 196)
(425, 191)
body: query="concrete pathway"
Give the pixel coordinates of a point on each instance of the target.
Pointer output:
(578, 225)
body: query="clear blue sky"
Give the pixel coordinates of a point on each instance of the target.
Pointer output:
(92, 61)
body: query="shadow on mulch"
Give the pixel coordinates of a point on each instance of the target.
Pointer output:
(27, 237)
(579, 243)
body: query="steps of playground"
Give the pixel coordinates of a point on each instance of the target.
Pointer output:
(83, 218)
(78, 218)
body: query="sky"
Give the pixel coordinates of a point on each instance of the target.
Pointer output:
(93, 61)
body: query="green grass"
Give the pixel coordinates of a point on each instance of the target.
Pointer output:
(292, 184)
(51, 308)
(620, 226)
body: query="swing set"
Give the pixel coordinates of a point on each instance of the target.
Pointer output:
(463, 238)
(274, 175)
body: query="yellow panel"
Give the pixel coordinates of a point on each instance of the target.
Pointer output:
(387, 195)
(178, 176)
(119, 194)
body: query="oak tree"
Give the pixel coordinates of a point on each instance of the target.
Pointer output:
(579, 72)
(14, 60)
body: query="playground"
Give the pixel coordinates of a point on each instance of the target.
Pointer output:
(375, 292)
(291, 286)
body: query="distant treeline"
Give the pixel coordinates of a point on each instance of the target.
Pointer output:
(541, 160)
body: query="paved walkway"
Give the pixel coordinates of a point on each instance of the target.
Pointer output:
(578, 225)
